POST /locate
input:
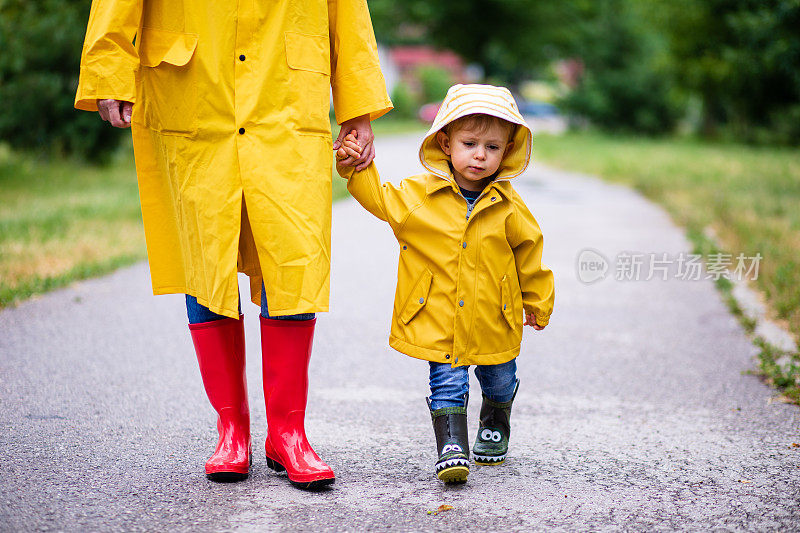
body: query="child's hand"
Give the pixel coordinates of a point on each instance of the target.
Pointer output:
(349, 147)
(530, 320)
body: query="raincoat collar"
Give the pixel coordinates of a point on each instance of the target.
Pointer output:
(462, 100)
(450, 183)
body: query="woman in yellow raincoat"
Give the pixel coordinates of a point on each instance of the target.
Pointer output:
(229, 105)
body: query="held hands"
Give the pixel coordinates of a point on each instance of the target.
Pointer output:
(116, 112)
(361, 128)
(348, 148)
(530, 320)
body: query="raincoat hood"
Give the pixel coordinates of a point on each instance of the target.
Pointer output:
(463, 100)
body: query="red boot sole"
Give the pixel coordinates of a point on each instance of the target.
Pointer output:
(316, 484)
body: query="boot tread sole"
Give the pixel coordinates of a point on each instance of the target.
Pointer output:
(306, 485)
(227, 477)
(313, 485)
(454, 474)
(275, 465)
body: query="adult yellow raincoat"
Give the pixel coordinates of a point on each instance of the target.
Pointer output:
(464, 277)
(231, 134)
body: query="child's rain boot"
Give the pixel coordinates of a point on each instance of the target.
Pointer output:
(286, 350)
(219, 345)
(452, 442)
(491, 443)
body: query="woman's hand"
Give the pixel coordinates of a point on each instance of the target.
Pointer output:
(363, 129)
(117, 112)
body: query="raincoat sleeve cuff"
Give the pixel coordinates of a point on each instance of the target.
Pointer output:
(365, 186)
(358, 93)
(114, 83)
(345, 171)
(542, 319)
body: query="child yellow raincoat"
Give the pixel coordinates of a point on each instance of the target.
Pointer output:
(231, 134)
(464, 277)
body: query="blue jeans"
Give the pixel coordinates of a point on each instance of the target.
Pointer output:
(449, 386)
(199, 313)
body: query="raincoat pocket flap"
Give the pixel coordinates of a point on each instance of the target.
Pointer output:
(418, 297)
(507, 301)
(308, 52)
(162, 46)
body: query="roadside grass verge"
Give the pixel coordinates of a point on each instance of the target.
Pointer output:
(749, 197)
(387, 125)
(63, 220)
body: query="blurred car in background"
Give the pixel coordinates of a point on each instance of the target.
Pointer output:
(543, 117)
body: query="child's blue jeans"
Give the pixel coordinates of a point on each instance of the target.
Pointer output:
(449, 386)
(199, 313)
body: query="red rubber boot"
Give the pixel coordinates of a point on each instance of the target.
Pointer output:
(286, 350)
(220, 352)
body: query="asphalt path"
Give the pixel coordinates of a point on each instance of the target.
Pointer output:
(635, 411)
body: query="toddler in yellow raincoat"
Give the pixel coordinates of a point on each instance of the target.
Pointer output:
(470, 265)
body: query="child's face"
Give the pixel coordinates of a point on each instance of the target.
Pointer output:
(475, 154)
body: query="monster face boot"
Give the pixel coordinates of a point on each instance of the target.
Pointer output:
(491, 443)
(452, 442)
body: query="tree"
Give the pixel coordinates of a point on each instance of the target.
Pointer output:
(41, 45)
(742, 57)
(626, 85)
(509, 38)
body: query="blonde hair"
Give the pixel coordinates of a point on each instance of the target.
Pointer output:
(480, 122)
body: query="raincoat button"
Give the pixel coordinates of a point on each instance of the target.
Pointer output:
(464, 245)
(241, 57)
(422, 300)
(405, 247)
(461, 303)
(241, 131)
(494, 198)
(447, 356)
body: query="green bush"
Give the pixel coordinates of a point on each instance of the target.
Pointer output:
(743, 60)
(632, 99)
(405, 103)
(434, 82)
(624, 87)
(41, 44)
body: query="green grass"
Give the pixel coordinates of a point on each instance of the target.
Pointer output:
(387, 125)
(339, 187)
(63, 220)
(748, 196)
